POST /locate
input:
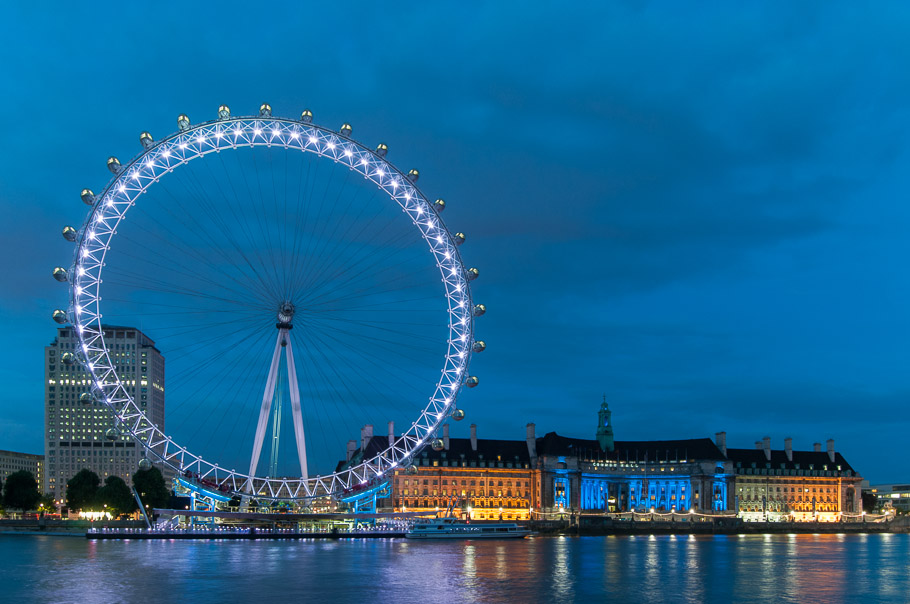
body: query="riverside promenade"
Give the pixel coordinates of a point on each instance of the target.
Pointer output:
(590, 526)
(599, 525)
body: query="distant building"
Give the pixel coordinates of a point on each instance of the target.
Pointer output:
(793, 485)
(78, 430)
(892, 497)
(11, 462)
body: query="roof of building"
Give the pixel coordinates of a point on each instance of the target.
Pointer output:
(631, 450)
(514, 451)
(34, 456)
(804, 459)
(552, 444)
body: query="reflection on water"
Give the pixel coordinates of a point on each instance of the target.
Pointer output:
(761, 568)
(561, 570)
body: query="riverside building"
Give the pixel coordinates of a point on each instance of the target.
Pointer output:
(555, 476)
(775, 485)
(11, 462)
(604, 475)
(483, 479)
(79, 431)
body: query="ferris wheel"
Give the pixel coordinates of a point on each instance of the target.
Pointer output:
(288, 242)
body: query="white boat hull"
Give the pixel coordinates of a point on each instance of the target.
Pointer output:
(448, 529)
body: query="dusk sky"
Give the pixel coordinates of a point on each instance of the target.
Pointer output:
(700, 213)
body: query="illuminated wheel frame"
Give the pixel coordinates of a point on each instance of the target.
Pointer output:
(227, 133)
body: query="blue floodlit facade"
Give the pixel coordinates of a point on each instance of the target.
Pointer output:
(606, 475)
(664, 476)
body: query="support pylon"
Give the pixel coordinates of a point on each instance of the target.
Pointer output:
(285, 314)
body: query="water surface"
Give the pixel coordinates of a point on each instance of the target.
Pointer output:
(762, 568)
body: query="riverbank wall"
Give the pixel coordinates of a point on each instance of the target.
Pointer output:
(47, 526)
(712, 526)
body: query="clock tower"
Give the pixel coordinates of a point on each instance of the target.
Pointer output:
(605, 427)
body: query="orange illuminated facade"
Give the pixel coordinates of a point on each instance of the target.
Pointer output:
(788, 485)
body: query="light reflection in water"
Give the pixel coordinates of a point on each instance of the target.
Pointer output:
(501, 567)
(469, 566)
(562, 574)
(777, 568)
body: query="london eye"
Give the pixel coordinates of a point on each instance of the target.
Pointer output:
(287, 273)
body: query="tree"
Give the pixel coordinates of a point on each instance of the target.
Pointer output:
(47, 503)
(116, 496)
(151, 488)
(21, 491)
(869, 501)
(82, 490)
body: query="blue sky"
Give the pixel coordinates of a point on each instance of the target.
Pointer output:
(699, 212)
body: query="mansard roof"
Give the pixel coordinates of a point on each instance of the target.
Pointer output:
(817, 459)
(631, 450)
(488, 449)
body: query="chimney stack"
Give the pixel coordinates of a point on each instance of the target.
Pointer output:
(531, 439)
(720, 439)
(391, 433)
(445, 436)
(366, 433)
(817, 447)
(758, 445)
(473, 437)
(766, 445)
(788, 447)
(352, 446)
(831, 449)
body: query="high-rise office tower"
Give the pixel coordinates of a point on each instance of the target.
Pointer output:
(76, 427)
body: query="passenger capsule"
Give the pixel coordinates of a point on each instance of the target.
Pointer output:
(471, 382)
(346, 130)
(382, 149)
(113, 164)
(67, 358)
(183, 122)
(224, 112)
(86, 398)
(145, 464)
(479, 310)
(59, 316)
(146, 140)
(87, 195)
(440, 205)
(265, 110)
(412, 469)
(111, 434)
(413, 175)
(472, 273)
(306, 116)
(479, 346)
(60, 274)
(458, 415)
(459, 238)
(69, 233)
(438, 444)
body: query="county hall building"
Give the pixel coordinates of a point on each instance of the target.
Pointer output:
(554, 476)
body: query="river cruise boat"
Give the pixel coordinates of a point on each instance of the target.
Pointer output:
(452, 528)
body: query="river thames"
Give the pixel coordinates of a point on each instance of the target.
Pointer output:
(753, 568)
